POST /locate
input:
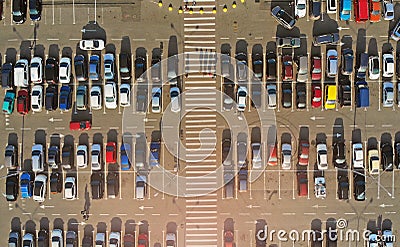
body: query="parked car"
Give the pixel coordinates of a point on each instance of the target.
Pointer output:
(388, 94)
(19, 11)
(271, 95)
(94, 67)
(395, 33)
(92, 44)
(141, 187)
(241, 153)
(56, 183)
(8, 103)
(375, 11)
(51, 70)
(96, 157)
(70, 188)
(358, 156)
(155, 149)
(23, 102)
(112, 184)
(141, 98)
(331, 6)
(301, 95)
(388, 10)
(388, 65)
(339, 154)
(322, 156)
(319, 187)
(37, 158)
(256, 160)
(109, 66)
(51, 99)
(286, 95)
(373, 161)
(315, 9)
(302, 183)
(241, 99)
(36, 70)
(175, 99)
(271, 65)
(80, 68)
(111, 152)
(347, 61)
(241, 66)
(67, 156)
(302, 69)
(345, 95)
(43, 238)
(95, 98)
(7, 76)
(21, 78)
(258, 65)
(228, 238)
(143, 240)
(115, 239)
(359, 185)
(26, 185)
(14, 239)
(65, 98)
(71, 239)
(316, 96)
(226, 65)
(156, 100)
(374, 67)
(332, 63)
(300, 8)
(97, 185)
(125, 95)
(140, 67)
(287, 68)
(65, 70)
(343, 187)
(283, 18)
(12, 186)
(39, 190)
(57, 238)
(397, 155)
(53, 157)
(29, 240)
(11, 157)
(272, 154)
(329, 38)
(288, 42)
(110, 94)
(81, 156)
(286, 156)
(81, 98)
(387, 156)
(126, 156)
(170, 239)
(304, 149)
(125, 66)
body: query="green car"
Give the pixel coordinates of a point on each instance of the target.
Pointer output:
(8, 104)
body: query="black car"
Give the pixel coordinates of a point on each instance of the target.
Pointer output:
(345, 95)
(80, 68)
(43, 238)
(112, 184)
(19, 8)
(359, 185)
(51, 100)
(140, 67)
(256, 90)
(67, 155)
(387, 157)
(51, 70)
(347, 61)
(339, 154)
(286, 95)
(12, 186)
(156, 68)
(125, 66)
(315, 9)
(141, 98)
(87, 241)
(397, 155)
(35, 10)
(97, 185)
(343, 187)
(229, 94)
(226, 150)
(7, 75)
(258, 65)
(271, 65)
(301, 95)
(56, 183)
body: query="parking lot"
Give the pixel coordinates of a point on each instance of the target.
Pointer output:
(143, 28)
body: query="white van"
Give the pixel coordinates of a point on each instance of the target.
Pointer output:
(21, 73)
(141, 187)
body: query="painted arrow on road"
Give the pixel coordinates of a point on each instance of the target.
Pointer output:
(318, 206)
(79, 223)
(46, 206)
(55, 120)
(343, 28)
(252, 206)
(385, 205)
(316, 118)
(144, 207)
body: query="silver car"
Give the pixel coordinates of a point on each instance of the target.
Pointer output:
(288, 42)
(241, 153)
(286, 156)
(388, 94)
(96, 157)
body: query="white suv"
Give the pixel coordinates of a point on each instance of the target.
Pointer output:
(388, 65)
(81, 156)
(64, 73)
(37, 158)
(36, 70)
(322, 156)
(39, 191)
(96, 157)
(37, 98)
(241, 98)
(21, 73)
(95, 98)
(70, 188)
(110, 94)
(358, 155)
(125, 95)
(156, 100)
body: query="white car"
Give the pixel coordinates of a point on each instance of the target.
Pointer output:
(64, 73)
(300, 8)
(21, 78)
(36, 70)
(81, 156)
(57, 238)
(358, 155)
(28, 240)
(37, 98)
(70, 188)
(241, 98)
(95, 98)
(156, 100)
(171, 239)
(388, 94)
(115, 239)
(388, 65)
(39, 190)
(271, 91)
(322, 156)
(256, 152)
(125, 95)
(319, 187)
(174, 92)
(110, 94)
(37, 158)
(109, 66)
(286, 156)
(100, 239)
(92, 44)
(373, 67)
(388, 10)
(96, 157)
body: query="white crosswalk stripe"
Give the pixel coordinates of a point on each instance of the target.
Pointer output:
(200, 126)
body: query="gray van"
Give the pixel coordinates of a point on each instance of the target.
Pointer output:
(226, 65)
(229, 181)
(243, 173)
(81, 98)
(141, 187)
(362, 70)
(302, 74)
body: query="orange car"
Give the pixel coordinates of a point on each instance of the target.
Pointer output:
(375, 12)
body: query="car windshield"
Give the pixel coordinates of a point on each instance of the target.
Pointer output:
(68, 185)
(301, 6)
(110, 149)
(37, 189)
(110, 99)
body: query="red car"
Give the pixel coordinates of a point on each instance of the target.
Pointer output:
(111, 152)
(80, 125)
(273, 159)
(302, 183)
(316, 68)
(23, 102)
(287, 70)
(304, 148)
(228, 239)
(143, 240)
(316, 96)
(375, 11)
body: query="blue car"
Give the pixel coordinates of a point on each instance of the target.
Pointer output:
(65, 98)
(8, 104)
(94, 67)
(125, 157)
(26, 185)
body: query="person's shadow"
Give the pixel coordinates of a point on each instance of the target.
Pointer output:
(87, 200)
